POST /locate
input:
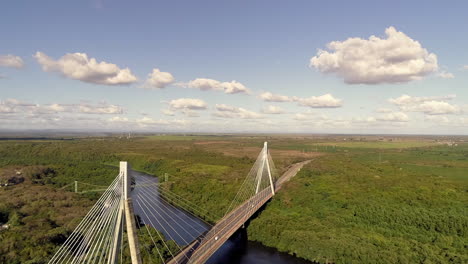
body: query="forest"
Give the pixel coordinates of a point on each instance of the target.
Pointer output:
(366, 200)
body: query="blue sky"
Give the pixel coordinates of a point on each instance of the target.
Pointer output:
(410, 78)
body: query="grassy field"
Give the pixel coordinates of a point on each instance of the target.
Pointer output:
(377, 144)
(361, 200)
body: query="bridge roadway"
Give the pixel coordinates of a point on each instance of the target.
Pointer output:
(202, 248)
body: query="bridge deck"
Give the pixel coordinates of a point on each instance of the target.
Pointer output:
(202, 249)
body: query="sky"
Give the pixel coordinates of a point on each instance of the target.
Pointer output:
(377, 67)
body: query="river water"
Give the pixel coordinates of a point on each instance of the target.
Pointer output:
(237, 250)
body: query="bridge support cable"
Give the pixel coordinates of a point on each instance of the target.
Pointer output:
(273, 170)
(260, 170)
(262, 175)
(192, 208)
(146, 209)
(265, 164)
(166, 211)
(116, 243)
(245, 189)
(227, 226)
(81, 238)
(173, 214)
(168, 220)
(166, 198)
(147, 247)
(178, 202)
(256, 189)
(76, 237)
(98, 237)
(234, 220)
(98, 231)
(172, 221)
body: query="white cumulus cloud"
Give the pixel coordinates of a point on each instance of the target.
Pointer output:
(188, 103)
(6, 108)
(323, 101)
(302, 116)
(269, 97)
(383, 110)
(205, 84)
(227, 111)
(432, 105)
(16, 106)
(168, 112)
(393, 117)
(148, 121)
(158, 79)
(118, 119)
(271, 109)
(437, 119)
(394, 59)
(411, 100)
(100, 109)
(363, 120)
(11, 61)
(433, 108)
(446, 75)
(78, 66)
(190, 113)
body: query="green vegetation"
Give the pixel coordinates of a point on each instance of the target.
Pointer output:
(39, 217)
(356, 207)
(40, 206)
(362, 200)
(152, 248)
(378, 144)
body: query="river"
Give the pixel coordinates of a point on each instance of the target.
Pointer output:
(237, 250)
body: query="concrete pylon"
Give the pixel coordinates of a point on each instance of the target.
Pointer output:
(263, 163)
(129, 215)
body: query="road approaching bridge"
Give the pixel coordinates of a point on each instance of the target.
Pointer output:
(201, 250)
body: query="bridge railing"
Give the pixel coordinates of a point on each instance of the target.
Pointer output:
(228, 225)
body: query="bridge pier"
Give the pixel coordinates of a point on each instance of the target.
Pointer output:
(129, 215)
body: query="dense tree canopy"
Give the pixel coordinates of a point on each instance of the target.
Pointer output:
(357, 202)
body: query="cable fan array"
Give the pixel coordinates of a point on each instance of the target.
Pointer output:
(256, 180)
(93, 239)
(257, 188)
(170, 221)
(169, 227)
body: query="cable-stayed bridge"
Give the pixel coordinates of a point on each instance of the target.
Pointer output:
(139, 220)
